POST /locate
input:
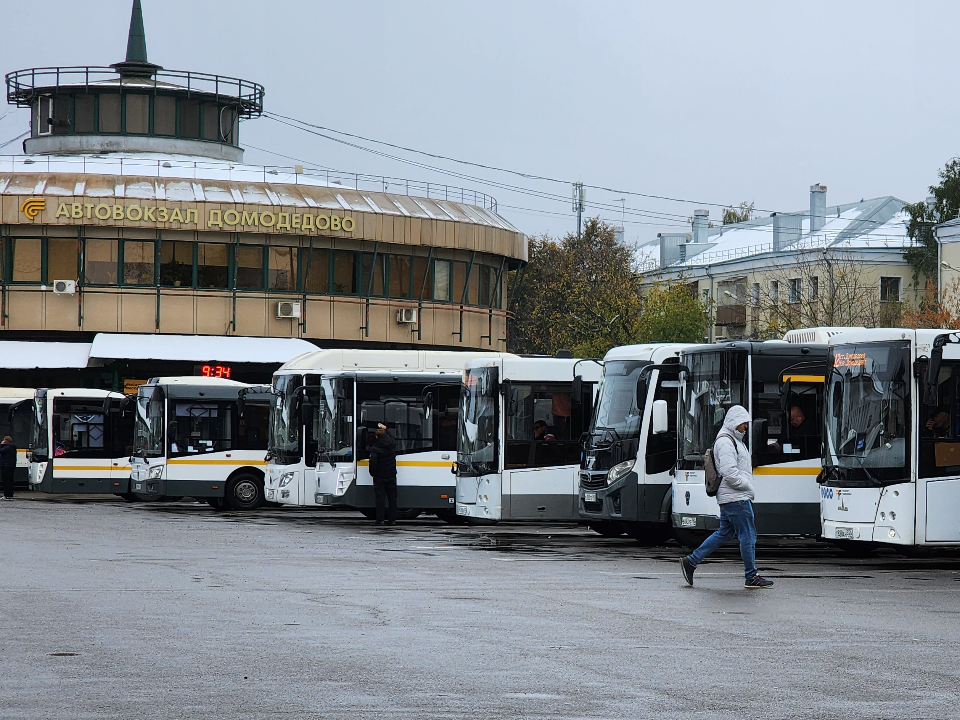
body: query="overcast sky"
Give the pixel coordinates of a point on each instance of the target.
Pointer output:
(706, 102)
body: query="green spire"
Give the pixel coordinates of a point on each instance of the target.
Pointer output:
(137, 39)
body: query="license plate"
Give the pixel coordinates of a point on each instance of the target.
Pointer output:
(845, 533)
(589, 497)
(687, 521)
(461, 509)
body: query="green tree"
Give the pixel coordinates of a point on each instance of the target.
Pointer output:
(584, 294)
(922, 255)
(737, 215)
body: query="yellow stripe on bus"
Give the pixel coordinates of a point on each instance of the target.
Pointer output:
(786, 471)
(805, 378)
(415, 463)
(216, 462)
(57, 467)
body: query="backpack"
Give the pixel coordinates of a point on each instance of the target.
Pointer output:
(711, 478)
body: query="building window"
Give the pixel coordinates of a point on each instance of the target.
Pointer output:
(796, 285)
(488, 282)
(213, 265)
(190, 118)
(27, 260)
(84, 113)
(62, 256)
(890, 289)
(422, 279)
(774, 291)
(138, 262)
(138, 114)
(100, 261)
(316, 270)
(250, 267)
(459, 282)
(441, 280)
(228, 122)
(109, 113)
(814, 288)
(399, 274)
(344, 273)
(211, 121)
(282, 269)
(755, 294)
(371, 279)
(176, 263)
(165, 115)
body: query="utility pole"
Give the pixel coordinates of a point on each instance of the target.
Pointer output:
(579, 198)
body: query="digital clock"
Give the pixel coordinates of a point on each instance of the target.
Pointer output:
(215, 371)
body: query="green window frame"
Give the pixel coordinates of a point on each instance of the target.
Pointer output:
(101, 262)
(135, 265)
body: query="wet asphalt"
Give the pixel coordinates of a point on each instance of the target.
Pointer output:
(172, 610)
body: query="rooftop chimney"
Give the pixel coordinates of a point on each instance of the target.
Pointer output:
(700, 223)
(818, 207)
(786, 229)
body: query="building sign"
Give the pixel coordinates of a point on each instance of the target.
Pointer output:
(161, 215)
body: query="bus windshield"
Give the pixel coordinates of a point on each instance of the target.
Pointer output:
(614, 436)
(716, 381)
(334, 422)
(477, 443)
(284, 440)
(149, 426)
(867, 414)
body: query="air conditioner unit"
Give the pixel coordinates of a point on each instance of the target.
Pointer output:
(64, 287)
(407, 316)
(288, 309)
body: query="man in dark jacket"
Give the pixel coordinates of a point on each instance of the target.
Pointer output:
(8, 463)
(383, 470)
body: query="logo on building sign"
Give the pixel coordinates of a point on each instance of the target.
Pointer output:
(31, 207)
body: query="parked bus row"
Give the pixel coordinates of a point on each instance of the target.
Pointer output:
(855, 436)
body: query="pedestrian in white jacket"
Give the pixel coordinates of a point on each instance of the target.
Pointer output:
(735, 496)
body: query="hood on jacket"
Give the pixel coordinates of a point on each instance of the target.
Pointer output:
(736, 415)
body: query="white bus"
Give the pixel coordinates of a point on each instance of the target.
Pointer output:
(192, 440)
(519, 447)
(769, 379)
(81, 441)
(892, 441)
(328, 403)
(628, 464)
(16, 418)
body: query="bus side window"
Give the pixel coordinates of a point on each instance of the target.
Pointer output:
(662, 448)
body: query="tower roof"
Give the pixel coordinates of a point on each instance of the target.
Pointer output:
(136, 63)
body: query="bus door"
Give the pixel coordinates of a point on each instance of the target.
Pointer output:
(20, 417)
(785, 444)
(661, 448)
(938, 476)
(542, 428)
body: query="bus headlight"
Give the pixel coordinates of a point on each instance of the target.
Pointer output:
(286, 479)
(155, 472)
(618, 471)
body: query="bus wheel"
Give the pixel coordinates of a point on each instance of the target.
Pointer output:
(648, 533)
(245, 492)
(450, 517)
(607, 528)
(690, 538)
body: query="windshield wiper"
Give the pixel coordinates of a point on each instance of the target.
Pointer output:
(863, 467)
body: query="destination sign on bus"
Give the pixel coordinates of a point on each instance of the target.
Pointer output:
(850, 360)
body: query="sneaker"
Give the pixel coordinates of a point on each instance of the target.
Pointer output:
(688, 569)
(757, 582)
(391, 522)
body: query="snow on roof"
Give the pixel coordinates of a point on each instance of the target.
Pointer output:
(197, 348)
(26, 355)
(877, 223)
(159, 176)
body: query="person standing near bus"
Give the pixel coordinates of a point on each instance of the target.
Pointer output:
(383, 470)
(8, 463)
(735, 497)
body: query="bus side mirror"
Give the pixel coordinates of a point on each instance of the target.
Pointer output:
(660, 422)
(577, 389)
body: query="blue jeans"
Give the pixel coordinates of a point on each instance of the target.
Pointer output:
(736, 520)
